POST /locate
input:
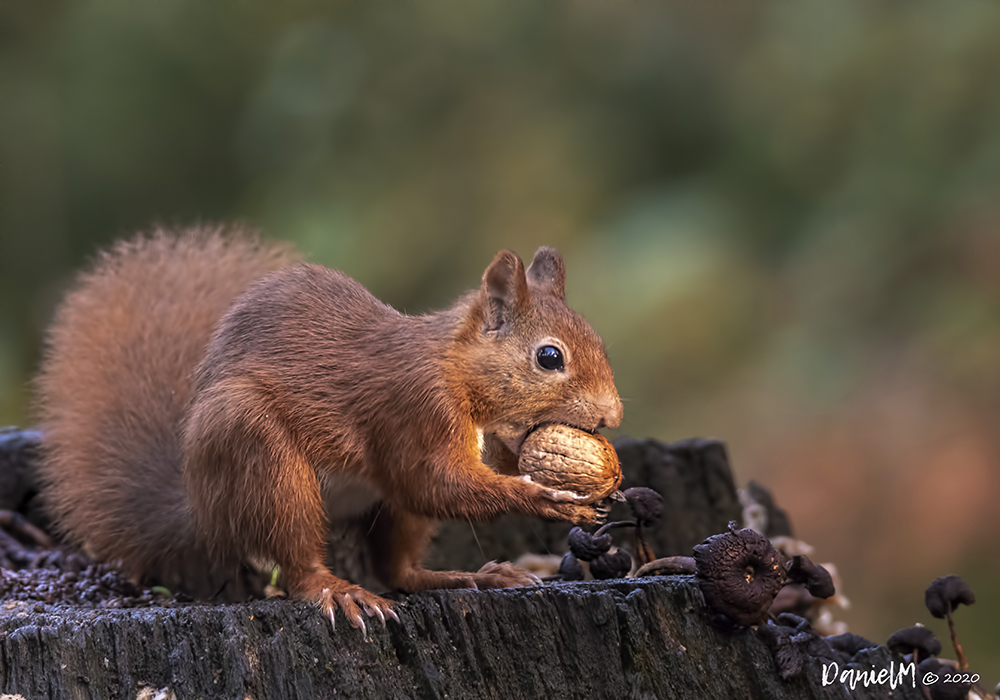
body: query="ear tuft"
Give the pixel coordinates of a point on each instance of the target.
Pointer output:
(505, 290)
(548, 272)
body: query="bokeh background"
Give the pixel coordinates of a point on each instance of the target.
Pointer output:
(782, 217)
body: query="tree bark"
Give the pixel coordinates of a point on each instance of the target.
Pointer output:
(638, 638)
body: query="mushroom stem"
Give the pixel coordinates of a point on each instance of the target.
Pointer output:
(617, 523)
(643, 552)
(963, 663)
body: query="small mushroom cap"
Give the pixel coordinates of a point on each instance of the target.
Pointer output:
(585, 546)
(904, 641)
(570, 568)
(611, 565)
(942, 690)
(814, 577)
(947, 593)
(849, 643)
(646, 504)
(739, 573)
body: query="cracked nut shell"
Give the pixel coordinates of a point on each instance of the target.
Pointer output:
(568, 459)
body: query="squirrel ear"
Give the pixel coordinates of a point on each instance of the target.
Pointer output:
(548, 271)
(505, 290)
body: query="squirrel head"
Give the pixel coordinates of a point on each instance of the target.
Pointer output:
(532, 359)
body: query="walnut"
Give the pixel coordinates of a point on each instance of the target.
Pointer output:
(569, 459)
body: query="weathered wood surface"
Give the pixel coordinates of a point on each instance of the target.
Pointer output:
(649, 638)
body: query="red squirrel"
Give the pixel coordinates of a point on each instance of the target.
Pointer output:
(207, 400)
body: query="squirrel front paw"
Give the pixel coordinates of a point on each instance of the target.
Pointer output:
(590, 514)
(567, 505)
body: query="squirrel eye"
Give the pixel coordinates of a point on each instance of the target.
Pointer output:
(550, 357)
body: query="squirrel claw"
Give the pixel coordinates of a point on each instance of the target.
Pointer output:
(356, 604)
(370, 612)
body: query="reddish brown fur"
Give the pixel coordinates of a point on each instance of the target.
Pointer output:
(308, 386)
(115, 383)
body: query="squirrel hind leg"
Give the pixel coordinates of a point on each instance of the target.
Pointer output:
(244, 509)
(398, 540)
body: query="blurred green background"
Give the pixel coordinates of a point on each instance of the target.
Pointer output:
(782, 217)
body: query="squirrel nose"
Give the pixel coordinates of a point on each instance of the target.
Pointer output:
(612, 413)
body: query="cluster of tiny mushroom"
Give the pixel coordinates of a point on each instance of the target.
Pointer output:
(741, 573)
(595, 548)
(920, 645)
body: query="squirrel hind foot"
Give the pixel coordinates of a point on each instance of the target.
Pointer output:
(504, 575)
(331, 594)
(490, 575)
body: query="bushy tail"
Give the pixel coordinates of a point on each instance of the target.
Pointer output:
(114, 383)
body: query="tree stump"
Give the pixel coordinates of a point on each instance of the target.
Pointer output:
(638, 638)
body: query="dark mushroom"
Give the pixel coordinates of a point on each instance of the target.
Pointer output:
(947, 593)
(587, 547)
(940, 689)
(919, 641)
(814, 577)
(739, 573)
(647, 506)
(849, 643)
(941, 598)
(570, 569)
(611, 565)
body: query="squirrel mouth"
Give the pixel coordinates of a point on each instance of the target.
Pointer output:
(518, 441)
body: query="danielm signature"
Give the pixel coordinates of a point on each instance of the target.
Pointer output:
(894, 676)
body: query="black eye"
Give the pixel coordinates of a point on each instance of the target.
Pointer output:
(550, 357)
